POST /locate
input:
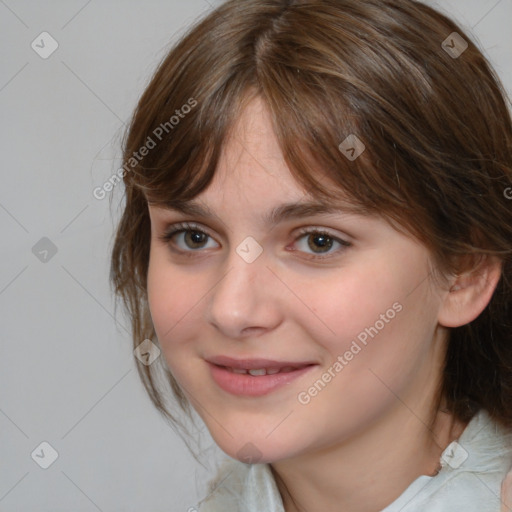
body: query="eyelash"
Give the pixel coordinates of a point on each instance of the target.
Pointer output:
(186, 226)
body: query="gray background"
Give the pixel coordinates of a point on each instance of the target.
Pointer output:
(67, 373)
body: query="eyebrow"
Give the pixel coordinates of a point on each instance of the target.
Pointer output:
(285, 211)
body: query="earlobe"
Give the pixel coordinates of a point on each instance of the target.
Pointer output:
(469, 293)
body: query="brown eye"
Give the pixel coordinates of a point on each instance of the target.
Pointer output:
(194, 239)
(320, 243)
(187, 237)
(320, 240)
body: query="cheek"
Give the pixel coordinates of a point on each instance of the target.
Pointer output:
(380, 347)
(378, 315)
(344, 308)
(174, 301)
(173, 297)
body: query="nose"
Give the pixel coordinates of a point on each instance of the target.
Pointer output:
(244, 301)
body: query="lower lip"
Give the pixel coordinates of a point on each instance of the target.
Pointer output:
(250, 385)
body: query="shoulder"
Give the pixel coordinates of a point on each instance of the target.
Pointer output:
(473, 468)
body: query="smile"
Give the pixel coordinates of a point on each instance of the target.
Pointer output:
(262, 371)
(254, 378)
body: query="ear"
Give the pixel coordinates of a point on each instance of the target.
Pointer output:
(469, 293)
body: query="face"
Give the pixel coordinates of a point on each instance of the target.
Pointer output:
(344, 301)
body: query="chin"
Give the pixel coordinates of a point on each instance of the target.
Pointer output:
(257, 447)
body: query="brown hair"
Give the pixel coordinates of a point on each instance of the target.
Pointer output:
(438, 158)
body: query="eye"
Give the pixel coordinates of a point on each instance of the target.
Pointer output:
(192, 237)
(320, 242)
(189, 238)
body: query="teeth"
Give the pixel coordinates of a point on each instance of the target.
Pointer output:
(261, 371)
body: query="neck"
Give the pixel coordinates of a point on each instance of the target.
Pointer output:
(369, 472)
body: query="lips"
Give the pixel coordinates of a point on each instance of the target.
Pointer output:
(262, 371)
(255, 377)
(257, 366)
(256, 363)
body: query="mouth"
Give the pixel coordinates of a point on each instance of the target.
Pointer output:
(257, 372)
(255, 377)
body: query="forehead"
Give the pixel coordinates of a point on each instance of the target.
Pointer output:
(251, 145)
(281, 212)
(252, 164)
(252, 174)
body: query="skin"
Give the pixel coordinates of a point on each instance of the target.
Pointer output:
(364, 438)
(506, 493)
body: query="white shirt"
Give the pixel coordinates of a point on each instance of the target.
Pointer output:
(469, 481)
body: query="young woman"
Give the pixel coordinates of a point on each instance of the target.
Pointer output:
(317, 235)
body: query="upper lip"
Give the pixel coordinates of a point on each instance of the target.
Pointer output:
(255, 363)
